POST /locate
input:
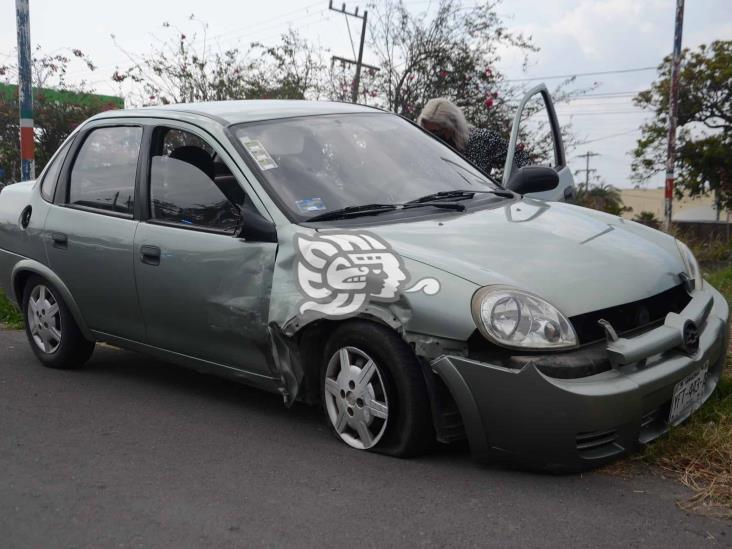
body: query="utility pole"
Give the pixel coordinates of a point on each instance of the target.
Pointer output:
(359, 61)
(587, 170)
(673, 113)
(25, 92)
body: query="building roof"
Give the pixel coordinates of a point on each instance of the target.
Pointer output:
(250, 110)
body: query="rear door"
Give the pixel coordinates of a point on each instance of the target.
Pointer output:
(90, 228)
(204, 291)
(536, 124)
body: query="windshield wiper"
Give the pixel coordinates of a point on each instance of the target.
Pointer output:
(460, 194)
(375, 209)
(354, 211)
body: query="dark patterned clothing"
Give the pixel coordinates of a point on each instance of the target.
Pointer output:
(487, 149)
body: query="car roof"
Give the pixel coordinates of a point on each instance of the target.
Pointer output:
(249, 110)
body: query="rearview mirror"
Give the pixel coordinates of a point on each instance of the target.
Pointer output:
(533, 179)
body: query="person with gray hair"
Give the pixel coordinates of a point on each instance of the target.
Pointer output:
(485, 148)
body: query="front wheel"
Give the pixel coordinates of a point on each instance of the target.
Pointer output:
(374, 392)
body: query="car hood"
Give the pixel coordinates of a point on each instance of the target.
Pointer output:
(579, 260)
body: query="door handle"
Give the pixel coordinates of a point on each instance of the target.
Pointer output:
(150, 255)
(60, 240)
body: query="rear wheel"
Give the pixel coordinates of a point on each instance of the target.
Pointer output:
(52, 331)
(373, 391)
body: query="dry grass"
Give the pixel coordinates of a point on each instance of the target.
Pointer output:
(698, 453)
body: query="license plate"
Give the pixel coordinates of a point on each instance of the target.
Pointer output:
(688, 395)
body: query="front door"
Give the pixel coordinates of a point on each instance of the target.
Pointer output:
(90, 229)
(203, 290)
(536, 121)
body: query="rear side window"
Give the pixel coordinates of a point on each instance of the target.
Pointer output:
(103, 176)
(48, 185)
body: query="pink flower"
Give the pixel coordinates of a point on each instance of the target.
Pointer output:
(443, 74)
(488, 72)
(488, 102)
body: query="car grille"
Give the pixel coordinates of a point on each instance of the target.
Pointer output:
(638, 315)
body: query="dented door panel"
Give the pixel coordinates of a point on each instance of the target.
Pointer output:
(208, 297)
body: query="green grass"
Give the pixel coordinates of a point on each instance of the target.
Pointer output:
(9, 315)
(722, 280)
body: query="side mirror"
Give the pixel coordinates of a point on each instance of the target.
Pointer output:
(533, 179)
(256, 228)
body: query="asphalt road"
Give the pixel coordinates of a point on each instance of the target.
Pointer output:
(133, 452)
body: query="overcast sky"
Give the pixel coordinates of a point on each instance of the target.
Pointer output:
(575, 36)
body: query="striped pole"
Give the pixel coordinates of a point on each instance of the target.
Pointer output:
(25, 92)
(673, 114)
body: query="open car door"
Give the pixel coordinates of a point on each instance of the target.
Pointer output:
(549, 149)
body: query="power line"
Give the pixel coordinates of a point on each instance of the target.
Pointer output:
(579, 74)
(603, 138)
(350, 37)
(605, 113)
(609, 95)
(258, 30)
(271, 27)
(243, 30)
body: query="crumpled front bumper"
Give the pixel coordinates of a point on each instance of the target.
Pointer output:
(537, 421)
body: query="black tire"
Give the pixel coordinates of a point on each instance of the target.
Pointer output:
(71, 350)
(408, 430)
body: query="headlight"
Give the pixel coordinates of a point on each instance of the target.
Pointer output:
(691, 266)
(514, 318)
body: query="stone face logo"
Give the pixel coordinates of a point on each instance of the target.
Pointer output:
(339, 273)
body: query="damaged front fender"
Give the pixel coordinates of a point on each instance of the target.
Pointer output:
(428, 307)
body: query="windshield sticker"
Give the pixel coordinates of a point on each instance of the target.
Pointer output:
(307, 205)
(339, 273)
(257, 151)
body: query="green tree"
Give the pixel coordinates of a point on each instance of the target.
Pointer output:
(187, 67)
(602, 197)
(704, 144)
(291, 69)
(646, 217)
(451, 53)
(59, 106)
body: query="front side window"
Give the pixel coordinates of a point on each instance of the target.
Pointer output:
(103, 176)
(190, 186)
(48, 185)
(317, 164)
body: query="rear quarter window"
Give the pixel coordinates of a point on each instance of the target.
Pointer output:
(50, 178)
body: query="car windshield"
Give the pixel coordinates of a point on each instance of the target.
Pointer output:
(319, 164)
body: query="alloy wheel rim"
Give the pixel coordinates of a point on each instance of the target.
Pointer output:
(355, 398)
(44, 319)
